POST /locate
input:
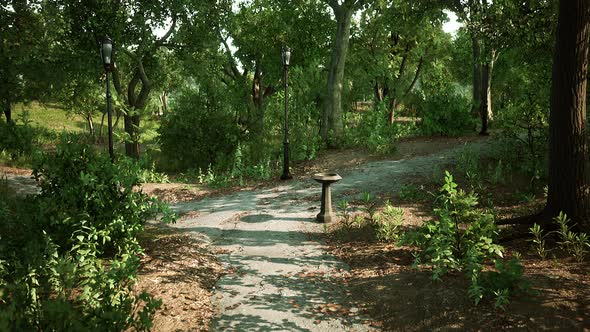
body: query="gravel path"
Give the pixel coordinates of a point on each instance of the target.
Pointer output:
(22, 185)
(280, 275)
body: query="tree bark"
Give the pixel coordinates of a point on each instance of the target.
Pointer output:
(91, 126)
(131, 127)
(477, 79)
(257, 95)
(135, 102)
(568, 150)
(7, 110)
(486, 96)
(164, 99)
(332, 126)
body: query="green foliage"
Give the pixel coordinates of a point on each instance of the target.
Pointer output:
(369, 206)
(81, 189)
(467, 164)
(539, 240)
(18, 139)
(348, 219)
(447, 114)
(388, 223)
(461, 239)
(145, 170)
(507, 279)
(497, 173)
(576, 244)
(411, 193)
(197, 133)
(240, 169)
(69, 256)
(371, 130)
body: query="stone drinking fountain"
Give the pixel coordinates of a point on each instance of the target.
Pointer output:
(326, 214)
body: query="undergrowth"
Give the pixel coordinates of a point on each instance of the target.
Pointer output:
(69, 256)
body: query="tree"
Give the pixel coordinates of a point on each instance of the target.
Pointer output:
(569, 189)
(251, 39)
(332, 125)
(568, 183)
(23, 53)
(140, 49)
(397, 40)
(474, 14)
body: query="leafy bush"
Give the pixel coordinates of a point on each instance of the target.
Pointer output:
(539, 240)
(446, 113)
(18, 138)
(145, 170)
(374, 132)
(507, 279)
(348, 219)
(460, 239)
(196, 133)
(68, 257)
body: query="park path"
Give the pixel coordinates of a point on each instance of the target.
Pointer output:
(280, 276)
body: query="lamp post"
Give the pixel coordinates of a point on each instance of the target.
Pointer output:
(286, 59)
(106, 53)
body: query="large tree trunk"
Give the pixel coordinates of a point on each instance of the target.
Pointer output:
(476, 108)
(332, 128)
(568, 150)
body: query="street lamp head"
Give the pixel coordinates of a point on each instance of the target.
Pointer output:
(286, 56)
(106, 52)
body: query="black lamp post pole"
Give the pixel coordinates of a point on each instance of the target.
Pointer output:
(110, 118)
(286, 175)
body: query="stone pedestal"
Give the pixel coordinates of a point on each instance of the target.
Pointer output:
(326, 214)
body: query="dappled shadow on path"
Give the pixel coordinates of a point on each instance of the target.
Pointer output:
(245, 322)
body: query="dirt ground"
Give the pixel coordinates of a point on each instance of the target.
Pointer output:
(401, 297)
(181, 271)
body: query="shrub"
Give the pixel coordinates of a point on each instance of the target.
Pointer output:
(196, 133)
(446, 113)
(461, 239)
(374, 132)
(18, 139)
(69, 256)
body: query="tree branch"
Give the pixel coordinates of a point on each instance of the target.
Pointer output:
(231, 59)
(415, 77)
(146, 86)
(165, 37)
(117, 83)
